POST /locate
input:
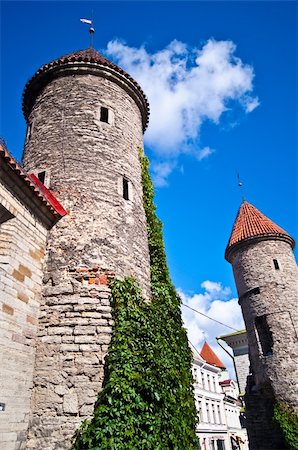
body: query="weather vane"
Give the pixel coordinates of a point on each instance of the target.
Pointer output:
(91, 29)
(240, 185)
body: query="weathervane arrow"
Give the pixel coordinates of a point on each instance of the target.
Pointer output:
(91, 29)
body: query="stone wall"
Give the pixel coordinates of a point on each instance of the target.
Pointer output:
(270, 293)
(70, 357)
(104, 235)
(22, 245)
(86, 160)
(242, 370)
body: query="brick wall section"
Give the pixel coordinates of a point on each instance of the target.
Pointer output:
(103, 235)
(253, 267)
(22, 244)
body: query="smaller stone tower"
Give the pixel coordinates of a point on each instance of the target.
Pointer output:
(265, 273)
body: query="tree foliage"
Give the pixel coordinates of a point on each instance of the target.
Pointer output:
(147, 397)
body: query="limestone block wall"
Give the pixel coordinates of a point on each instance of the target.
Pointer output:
(70, 357)
(22, 246)
(86, 160)
(103, 235)
(277, 300)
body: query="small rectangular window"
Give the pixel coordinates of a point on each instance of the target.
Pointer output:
(125, 189)
(264, 334)
(104, 114)
(276, 265)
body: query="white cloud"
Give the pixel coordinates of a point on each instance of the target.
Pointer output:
(185, 87)
(215, 301)
(160, 172)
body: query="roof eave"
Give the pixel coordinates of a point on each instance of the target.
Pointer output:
(231, 249)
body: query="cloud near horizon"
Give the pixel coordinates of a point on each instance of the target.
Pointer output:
(185, 87)
(214, 301)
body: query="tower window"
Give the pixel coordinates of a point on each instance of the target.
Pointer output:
(276, 265)
(104, 114)
(41, 176)
(264, 334)
(29, 131)
(125, 189)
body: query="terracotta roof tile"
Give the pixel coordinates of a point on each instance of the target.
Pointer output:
(251, 224)
(210, 357)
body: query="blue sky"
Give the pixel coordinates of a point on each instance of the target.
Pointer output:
(200, 198)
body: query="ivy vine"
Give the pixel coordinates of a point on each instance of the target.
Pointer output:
(146, 402)
(288, 422)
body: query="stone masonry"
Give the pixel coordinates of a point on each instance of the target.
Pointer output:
(266, 277)
(86, 160)
(24, 223)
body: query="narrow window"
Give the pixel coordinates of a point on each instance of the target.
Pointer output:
(41, 176)
(104, 114)
(29, 131)
(125, 189)
(265, 335)
(276, 265)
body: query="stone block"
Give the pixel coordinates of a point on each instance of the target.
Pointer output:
(70, 403)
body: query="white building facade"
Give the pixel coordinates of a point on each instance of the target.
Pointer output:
(218, 411)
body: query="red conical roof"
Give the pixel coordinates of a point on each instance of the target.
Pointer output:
(88, 57)
(251, 224)
(210, 357)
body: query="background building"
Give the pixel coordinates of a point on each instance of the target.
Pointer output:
(217, 403)
(238, 342)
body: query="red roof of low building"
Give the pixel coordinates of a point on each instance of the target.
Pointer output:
(251, 224)
(41, 192)
(225, 382)
(210, 357)
(88, 56)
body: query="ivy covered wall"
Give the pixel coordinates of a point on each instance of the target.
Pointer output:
(147, 398)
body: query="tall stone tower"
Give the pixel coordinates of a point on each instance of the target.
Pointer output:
(85, 122)
(266, 277)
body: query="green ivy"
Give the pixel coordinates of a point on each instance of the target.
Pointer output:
(147, 398)
(288, 422)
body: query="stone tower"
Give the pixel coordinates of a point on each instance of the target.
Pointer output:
(85, 122)
(266, 277)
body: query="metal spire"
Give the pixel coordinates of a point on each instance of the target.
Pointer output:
(240, 185)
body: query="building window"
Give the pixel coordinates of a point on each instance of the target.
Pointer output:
(5, 214)
(42, 176)
(104, 114)
(213, 413)
(218, 413)
(220, 444)
(208, 382)
(29, 131)
(276, 265)
(264, 334)
(125, 189)
(208, 413)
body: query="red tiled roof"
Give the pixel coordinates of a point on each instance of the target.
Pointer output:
(88, 55)
(251, 224)
(44, 195)
(210, 357)
(227, 382)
